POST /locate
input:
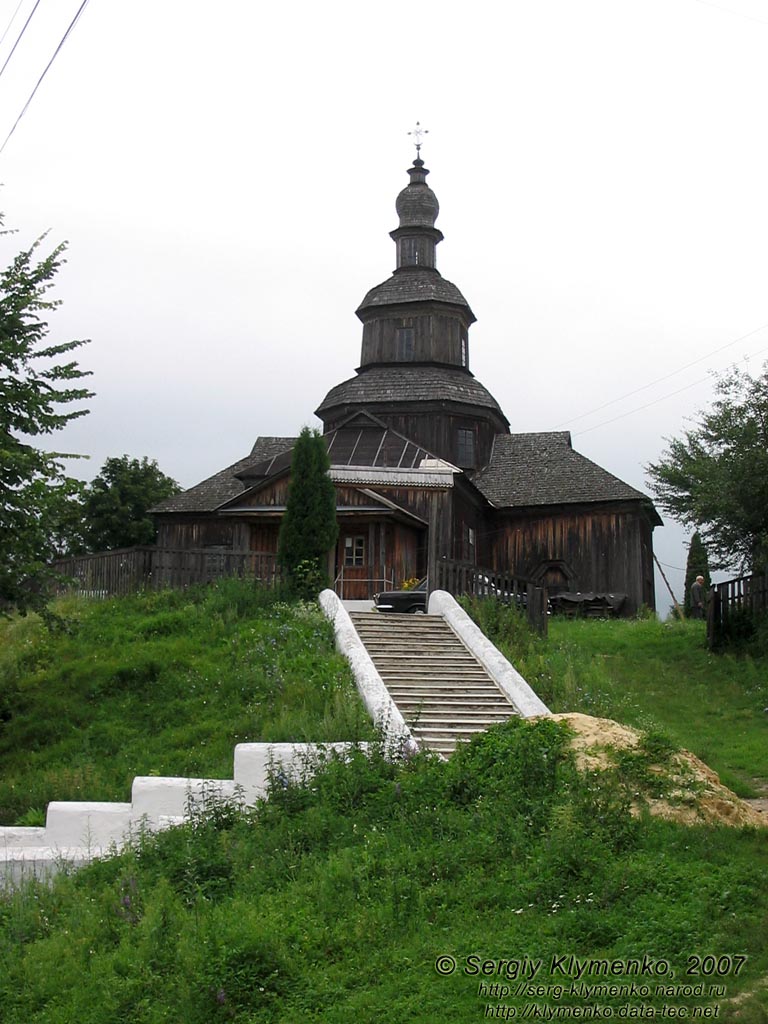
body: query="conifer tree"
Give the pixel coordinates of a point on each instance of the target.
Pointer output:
(309, 528)
(697, 565)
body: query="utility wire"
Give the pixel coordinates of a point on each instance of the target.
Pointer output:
(648, 405)
(13, 18)
(660, 380)
(640, 408)
(20, 35)
(656, 401)
(729, 10)
(45, 72)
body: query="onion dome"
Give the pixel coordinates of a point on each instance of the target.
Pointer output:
(417, 204)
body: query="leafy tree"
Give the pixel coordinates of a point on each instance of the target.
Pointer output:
(116, 503)
(309, 528)
(715, 478)
(37, 390)
(697, 565)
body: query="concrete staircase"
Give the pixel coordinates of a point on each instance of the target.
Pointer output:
(442, 691)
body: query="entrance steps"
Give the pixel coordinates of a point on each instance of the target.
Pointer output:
(442, 691)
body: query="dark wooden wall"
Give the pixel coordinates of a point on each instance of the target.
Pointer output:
(203, 531)
(605, 549)
(436, 339)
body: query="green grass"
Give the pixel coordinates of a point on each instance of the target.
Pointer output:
(162, 684)
(333, 901)
(651, 675)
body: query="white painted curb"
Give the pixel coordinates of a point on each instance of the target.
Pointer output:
(256, 762)
(490, 657)
(378, 702)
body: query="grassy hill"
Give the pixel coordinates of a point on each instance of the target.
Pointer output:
(504, 882)
(161, 684)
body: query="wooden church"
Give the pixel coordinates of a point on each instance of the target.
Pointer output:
(425, 467)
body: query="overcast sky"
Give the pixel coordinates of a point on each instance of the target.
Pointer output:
(225, 175)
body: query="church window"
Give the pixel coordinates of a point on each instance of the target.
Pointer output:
(354, 551)
(410, 252)
(464, 350)
(405, 342)
(465, 448)
(468, 552)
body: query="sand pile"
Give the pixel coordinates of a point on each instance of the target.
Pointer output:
(693, 793)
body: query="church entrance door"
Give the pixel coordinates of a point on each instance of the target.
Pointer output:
(353, 558)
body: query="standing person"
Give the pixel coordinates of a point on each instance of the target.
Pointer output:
(697, 598)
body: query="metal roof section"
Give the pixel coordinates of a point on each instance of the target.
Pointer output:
(440, 477)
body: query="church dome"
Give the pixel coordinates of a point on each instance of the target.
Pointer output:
(379, 386)
(417, 204)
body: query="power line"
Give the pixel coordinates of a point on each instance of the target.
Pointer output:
(660, 380)
(728, 10)
(20, 35)
(13, 18)
(640, 408)
(656, 401)
(45, 72)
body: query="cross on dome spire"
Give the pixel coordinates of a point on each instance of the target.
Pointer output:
(417, 134)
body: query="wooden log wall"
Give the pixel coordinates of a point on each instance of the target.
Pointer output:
(436, 339)
(606, 550)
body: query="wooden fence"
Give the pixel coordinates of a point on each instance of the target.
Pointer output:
(128, 570)
(460, 578)
(734, 606)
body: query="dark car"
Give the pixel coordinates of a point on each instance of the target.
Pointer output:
(413, 600)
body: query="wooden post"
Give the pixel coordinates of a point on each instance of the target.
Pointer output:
(713, 618)
(677, 607)
(536, 604)
(432, 545)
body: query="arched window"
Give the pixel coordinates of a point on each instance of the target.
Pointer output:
(555, 575)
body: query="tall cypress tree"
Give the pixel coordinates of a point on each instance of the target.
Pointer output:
(697, 565)
(309, 528)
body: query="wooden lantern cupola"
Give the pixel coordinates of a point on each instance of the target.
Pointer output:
(416, 316)
(414, 366)
(417, 207)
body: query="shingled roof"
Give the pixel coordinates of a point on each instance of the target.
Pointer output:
(410, 383)
(414, 284)
(543, 469)
(226, 484)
